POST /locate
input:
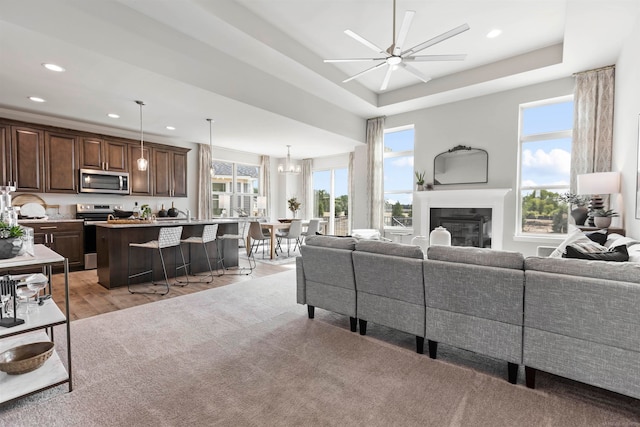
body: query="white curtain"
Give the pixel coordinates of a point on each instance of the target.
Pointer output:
(375, 147)
(352, 191)
(204, 181)
(592, 122)
(265, 170)
(307, 188)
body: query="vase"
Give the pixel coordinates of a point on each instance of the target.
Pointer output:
(419, 187)
(602, 221)
(440, 236)
(10, 247)
(580, 215)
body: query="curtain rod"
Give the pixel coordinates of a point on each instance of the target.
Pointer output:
(595, 69)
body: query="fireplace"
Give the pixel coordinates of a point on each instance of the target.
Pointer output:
(468, 226)
(479, 211)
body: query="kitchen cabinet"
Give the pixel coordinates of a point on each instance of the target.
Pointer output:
(26, 158)
(64, 237)
(37, 327)
(5, 134)
(140, 181)
(104, 154)
(61, 162)
(169, 172)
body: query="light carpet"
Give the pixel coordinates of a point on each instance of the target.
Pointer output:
(247, 355)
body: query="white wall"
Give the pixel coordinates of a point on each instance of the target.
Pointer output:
(489, 122)
(625, 130)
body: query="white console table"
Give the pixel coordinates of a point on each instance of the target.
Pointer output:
(38, 326)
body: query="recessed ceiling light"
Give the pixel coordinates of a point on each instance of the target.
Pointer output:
(171, 127)
(494, 33)
(53, 67)
(113, 115)
(36, 99)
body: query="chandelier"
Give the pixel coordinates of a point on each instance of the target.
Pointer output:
(288, 167)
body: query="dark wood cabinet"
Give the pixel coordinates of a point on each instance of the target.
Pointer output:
(103, 154)
(5, 135)
(26, 159)
(65, 238)
(61, 162)
(169, 172)
(140, 181)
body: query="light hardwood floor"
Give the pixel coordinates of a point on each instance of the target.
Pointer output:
(88, 298)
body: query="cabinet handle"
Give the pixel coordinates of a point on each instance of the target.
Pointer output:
(49, 227)
(51, 238)
(107, 166)
(46, 239)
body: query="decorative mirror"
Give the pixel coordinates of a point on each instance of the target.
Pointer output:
(461, 165)
(638, 175)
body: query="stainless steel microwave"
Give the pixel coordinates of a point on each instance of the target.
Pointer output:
(98, 181)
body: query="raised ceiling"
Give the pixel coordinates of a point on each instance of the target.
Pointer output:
(256, 67)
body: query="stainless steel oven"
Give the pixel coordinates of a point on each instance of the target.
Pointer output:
(92, 214)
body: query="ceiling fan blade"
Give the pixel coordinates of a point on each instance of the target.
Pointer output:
(415, 72)
(364, 41)
(355, 76)
(442, 37)
(354, 59)
(460, 57)
(387, 77)
(404, 30)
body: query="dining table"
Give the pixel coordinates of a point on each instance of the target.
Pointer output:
(272, 227)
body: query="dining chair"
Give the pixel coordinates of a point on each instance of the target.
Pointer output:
(209, 234)
(168, 237)
(294, 232)
(257, 236)
(312, 229)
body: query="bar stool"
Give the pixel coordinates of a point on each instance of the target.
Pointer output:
(168, 237)
(209, 234)
(240, 238)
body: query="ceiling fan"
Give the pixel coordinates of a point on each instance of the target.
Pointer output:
(394, 57)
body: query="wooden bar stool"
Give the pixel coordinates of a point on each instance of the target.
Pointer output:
(168, 237)
(209, 234)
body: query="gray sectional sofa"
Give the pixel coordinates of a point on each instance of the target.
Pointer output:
(573, 318)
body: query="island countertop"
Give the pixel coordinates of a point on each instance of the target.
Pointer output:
(166, 223)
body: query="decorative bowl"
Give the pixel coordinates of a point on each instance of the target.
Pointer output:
(25, 358)
(122, 214)
(285, 220)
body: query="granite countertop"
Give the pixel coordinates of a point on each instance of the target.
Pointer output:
(168, 223)
(28, 221)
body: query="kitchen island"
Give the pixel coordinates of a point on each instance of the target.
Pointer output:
(112, 242)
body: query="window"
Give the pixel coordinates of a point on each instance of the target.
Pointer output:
(235, 188)
(398, 177)
(331, 199)
(546, 129)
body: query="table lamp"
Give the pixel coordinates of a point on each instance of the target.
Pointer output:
(261, 202)
(596, 184)
(224, 201)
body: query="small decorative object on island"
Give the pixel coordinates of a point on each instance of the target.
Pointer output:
(8, 303)
(294, 205)
(602, 217)
(172, 212)
(420, 181)
(145, 211)
(10, 240)
(580, 213)
(440, 236)
(162, 212)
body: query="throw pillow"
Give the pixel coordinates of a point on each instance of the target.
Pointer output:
(575, 236)
(599, 236)
(588, 247)
(619, 254)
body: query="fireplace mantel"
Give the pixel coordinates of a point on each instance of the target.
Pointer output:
(477, 198)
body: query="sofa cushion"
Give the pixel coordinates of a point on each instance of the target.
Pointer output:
(619, 271)
(390, 248)
(618, 254)
(478, 256)
(348, 243)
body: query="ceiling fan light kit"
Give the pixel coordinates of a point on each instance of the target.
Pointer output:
(394, 57)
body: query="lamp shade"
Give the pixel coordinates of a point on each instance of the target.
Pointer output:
(261, 201)
(599, 183)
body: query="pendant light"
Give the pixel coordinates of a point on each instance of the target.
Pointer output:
(212, 171)
(142, 162)
(288, 167)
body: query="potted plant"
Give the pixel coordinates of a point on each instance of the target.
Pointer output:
(420, 181)
(11, 239)
(602, 217)
(294, 205)
(579, 212)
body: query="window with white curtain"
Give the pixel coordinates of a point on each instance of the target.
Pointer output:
(546, 134)
(398, 177)
(235, 187)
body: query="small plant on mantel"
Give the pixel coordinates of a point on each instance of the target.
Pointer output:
(420, 180)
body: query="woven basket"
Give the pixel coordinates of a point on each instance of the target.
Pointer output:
(130, 221)
(25, 358)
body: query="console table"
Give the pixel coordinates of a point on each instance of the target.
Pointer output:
(38, 326)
